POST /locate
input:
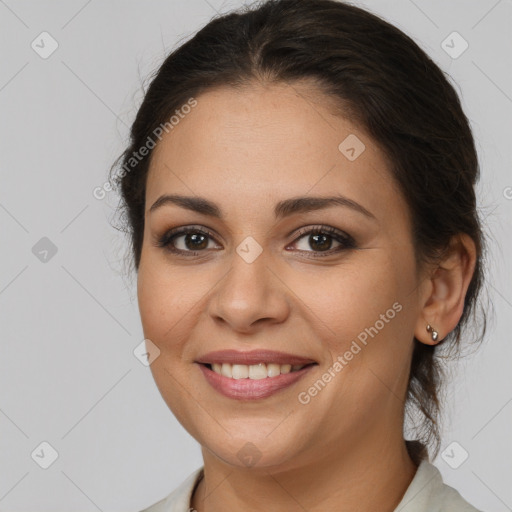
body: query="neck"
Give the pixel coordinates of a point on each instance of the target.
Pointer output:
(373, 475)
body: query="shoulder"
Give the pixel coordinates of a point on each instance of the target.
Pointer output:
(428, 493)
(179, 499)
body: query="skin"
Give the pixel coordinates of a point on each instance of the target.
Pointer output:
(245, 150)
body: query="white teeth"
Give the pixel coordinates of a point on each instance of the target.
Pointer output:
(226, 370)
(273, 370)
(258, 371)
(240, 371)
(254, 371)
(286, 368)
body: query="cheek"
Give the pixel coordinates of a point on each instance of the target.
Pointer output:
(348, 298)
(368, 321)
(168, 301)
(364, 307)
(157, 299)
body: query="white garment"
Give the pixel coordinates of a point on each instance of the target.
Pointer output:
(426, 493)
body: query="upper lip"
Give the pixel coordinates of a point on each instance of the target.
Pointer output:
(252, 357)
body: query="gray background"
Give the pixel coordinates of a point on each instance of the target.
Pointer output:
(69, 324)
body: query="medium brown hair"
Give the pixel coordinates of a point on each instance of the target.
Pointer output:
(380, 78)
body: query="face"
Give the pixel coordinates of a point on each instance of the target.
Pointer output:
(269, 272)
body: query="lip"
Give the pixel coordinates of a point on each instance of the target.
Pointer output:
(252, 389)
(252, 357)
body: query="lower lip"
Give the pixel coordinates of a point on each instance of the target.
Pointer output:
(252, 389)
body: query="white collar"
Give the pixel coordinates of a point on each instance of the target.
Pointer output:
(426, 493)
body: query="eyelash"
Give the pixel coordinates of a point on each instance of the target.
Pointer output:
(347, 242)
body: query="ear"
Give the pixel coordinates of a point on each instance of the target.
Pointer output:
(443, 302)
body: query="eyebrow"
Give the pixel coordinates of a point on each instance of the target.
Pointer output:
(282, 209)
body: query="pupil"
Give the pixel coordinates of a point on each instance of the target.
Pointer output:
(195, 238)
(323, 245)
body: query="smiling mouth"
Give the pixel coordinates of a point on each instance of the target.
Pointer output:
(253, 382)
(254, 371)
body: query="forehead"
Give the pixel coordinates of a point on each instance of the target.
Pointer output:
(276, 141)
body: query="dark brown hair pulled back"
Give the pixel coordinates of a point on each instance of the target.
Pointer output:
(386, 83)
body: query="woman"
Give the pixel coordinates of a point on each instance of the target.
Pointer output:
(299, 191)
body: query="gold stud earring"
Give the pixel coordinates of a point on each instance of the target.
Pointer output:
(434, 333)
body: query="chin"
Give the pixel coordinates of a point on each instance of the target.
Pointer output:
(252, 447)
(242, 453)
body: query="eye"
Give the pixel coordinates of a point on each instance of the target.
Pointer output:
(189, 240)
(321, 239)
(192, 240)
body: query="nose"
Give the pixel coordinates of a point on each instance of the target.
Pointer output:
(250, 296)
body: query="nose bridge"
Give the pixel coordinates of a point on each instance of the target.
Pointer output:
(249, 291)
